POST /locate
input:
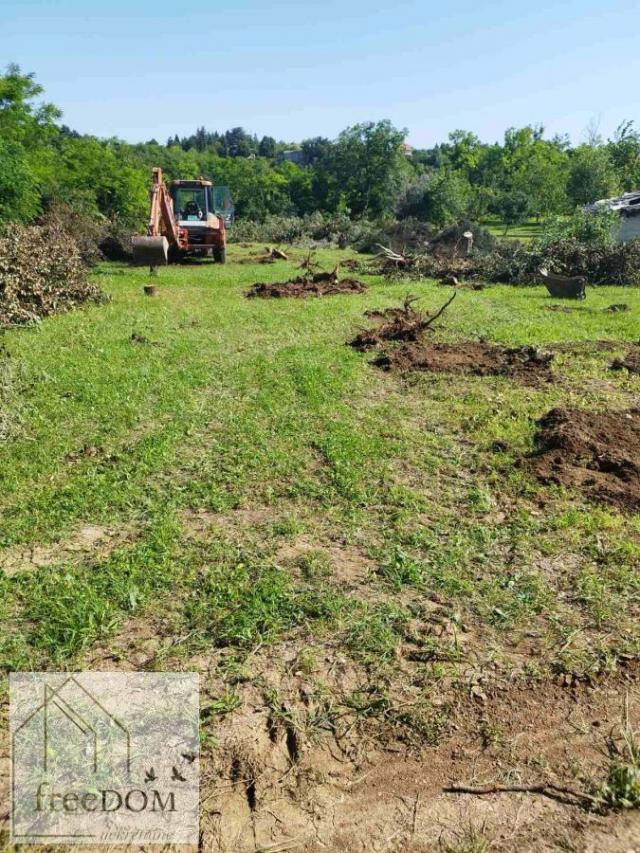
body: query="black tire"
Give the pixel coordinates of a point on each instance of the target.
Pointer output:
(220, 256)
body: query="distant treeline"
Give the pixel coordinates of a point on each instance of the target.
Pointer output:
(367, 172)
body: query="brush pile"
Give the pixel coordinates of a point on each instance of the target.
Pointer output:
(453, 253)
(599, 262)
(466, 252)
(41, 273)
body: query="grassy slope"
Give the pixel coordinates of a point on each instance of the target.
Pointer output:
(249, 404)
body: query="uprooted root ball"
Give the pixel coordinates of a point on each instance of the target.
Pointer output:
(598, 454)
(403, 346)
(398, 324)
(320, 284)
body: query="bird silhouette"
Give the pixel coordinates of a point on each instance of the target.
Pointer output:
(189, 756)
(150, 775)
(176, 776)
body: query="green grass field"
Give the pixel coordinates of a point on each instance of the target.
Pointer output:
(525, 232)
(203, 481)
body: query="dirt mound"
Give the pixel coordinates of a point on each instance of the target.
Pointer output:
(351, 264)
(630, 362)
(319, 284)
(599, 454)
(402, 339)
(475, 358)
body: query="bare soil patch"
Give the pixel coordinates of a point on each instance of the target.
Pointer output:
(90, 541)
(527, 364)
(295, 769)
(596, 453)
(319, 284)
(308, 760)
(348, 567)
(134, 647)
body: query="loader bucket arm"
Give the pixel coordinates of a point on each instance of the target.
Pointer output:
(162, 229)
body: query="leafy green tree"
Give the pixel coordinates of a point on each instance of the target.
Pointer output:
(298, 182)
(463, 151)
(238, 143)
(19, 194)
(543, 178)
(268, 147)
(102, 177)
(592, 175)
(624, 151)
(314, 149)
(27, 128)
(513, 208)
(535, 167)
(257, 188)
(440, 197)
(364, 166)
(22, 119)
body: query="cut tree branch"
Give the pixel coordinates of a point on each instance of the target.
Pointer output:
(545, 789)
(440, 311)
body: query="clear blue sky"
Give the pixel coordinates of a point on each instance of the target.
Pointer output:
(142, 69)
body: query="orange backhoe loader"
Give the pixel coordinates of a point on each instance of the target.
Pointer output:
(188, 219)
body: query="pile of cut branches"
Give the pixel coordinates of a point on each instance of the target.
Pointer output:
(41, 273)
(478, 256)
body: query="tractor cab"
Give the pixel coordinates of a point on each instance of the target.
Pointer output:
(197, 202)
(202, 212)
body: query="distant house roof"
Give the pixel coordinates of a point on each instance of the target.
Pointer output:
(627, 207)
(627, 204)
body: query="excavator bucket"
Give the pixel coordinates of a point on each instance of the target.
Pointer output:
(150, 251)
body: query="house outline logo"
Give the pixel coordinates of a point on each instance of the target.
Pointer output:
(52, 698)
(82, 774)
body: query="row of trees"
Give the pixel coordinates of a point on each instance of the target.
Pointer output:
(366, 172)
